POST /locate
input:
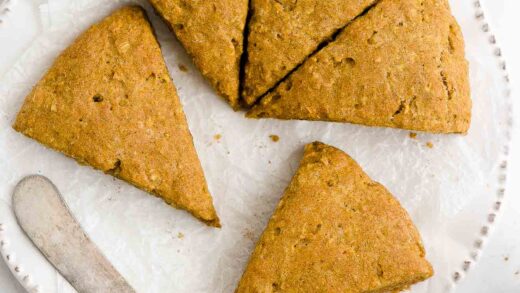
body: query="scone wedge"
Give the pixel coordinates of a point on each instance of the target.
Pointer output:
(108, 102)
(400, 65)
(212, 33)
(336, 230)
(282, 33)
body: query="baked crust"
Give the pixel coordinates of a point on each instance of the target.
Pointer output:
(108, 102)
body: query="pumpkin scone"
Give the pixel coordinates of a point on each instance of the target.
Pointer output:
(336, 230)
(283, 33)
(102, 105)
(212, 34)
(401, 65)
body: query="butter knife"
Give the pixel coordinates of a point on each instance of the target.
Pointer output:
(44, 216)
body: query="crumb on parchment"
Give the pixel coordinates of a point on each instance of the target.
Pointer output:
(249, 234)
(413, 135)
(429, 144)
(183, 68)
(274, 137)
(180, 235)
(217, 136)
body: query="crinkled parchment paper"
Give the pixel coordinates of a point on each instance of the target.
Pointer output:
(447, 189)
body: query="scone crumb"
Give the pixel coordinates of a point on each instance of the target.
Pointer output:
(183, 68)
(429, 144)
(413, 135)
(217, 136)
(274, 137)
(180, 235)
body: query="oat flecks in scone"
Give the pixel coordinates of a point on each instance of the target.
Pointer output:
(401, 65)
(212, 33)
(102, 105)
(336, 230)
(283, 33)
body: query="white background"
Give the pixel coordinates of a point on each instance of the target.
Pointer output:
(499, 267)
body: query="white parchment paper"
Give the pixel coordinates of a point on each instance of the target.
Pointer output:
(448, 189)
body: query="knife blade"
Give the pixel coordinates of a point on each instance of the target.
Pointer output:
(44, 216)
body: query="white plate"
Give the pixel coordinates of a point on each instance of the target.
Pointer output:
(451, 190)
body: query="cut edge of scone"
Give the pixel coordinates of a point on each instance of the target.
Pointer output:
(263, 73)
(98, 104)
(316, 238)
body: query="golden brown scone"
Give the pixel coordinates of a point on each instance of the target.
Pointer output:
(336, 230)
(283, 33)
(212, 33)
(401, 65)
(108, 102)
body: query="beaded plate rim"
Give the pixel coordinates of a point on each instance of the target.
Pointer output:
(485, 230)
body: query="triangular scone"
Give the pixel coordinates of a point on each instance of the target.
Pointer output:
(108, 102)
(401, 65)
(212, 33)
(283, 33)
(336, 230)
